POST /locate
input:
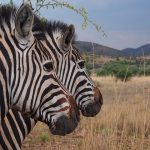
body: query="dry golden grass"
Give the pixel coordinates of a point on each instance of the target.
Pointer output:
(122, 124)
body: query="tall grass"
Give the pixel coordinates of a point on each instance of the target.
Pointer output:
(122, 124)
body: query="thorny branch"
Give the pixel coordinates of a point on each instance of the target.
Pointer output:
(59, 3)
(63, 4)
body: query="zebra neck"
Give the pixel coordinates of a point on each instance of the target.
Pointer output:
(6, 67)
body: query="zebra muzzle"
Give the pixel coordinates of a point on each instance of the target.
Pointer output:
(94, 107)
(67, 123)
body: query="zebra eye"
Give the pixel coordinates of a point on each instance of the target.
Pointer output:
(48, 66)
(81, 64)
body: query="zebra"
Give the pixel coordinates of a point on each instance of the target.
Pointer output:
(28, 81)
(70, 68)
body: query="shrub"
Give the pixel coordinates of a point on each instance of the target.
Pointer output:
(122, 69)
(102, 72)
(123, 74)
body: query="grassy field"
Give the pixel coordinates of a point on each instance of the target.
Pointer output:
(122, 124)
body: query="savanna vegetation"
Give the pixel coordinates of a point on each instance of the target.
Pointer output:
(121, 68)
(122, 124)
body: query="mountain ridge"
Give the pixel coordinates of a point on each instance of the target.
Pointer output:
(87, 47)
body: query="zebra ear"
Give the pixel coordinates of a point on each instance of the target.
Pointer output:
(68, 36)
(24, 21)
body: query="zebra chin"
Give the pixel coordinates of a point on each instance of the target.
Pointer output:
(94, 107)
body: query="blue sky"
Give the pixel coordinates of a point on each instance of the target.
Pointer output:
(126, 22)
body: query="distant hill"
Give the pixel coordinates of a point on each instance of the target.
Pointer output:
(145, 49)
(86, 47)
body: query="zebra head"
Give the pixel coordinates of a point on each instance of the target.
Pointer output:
(88, 96)
(70, 66)
(32, 84)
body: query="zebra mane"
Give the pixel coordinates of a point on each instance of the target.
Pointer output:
(51, 27)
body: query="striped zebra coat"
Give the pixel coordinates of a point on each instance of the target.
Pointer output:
(28, 81)
(70, 69)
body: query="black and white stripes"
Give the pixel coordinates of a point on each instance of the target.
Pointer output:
(56, 39)
(28, 82)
